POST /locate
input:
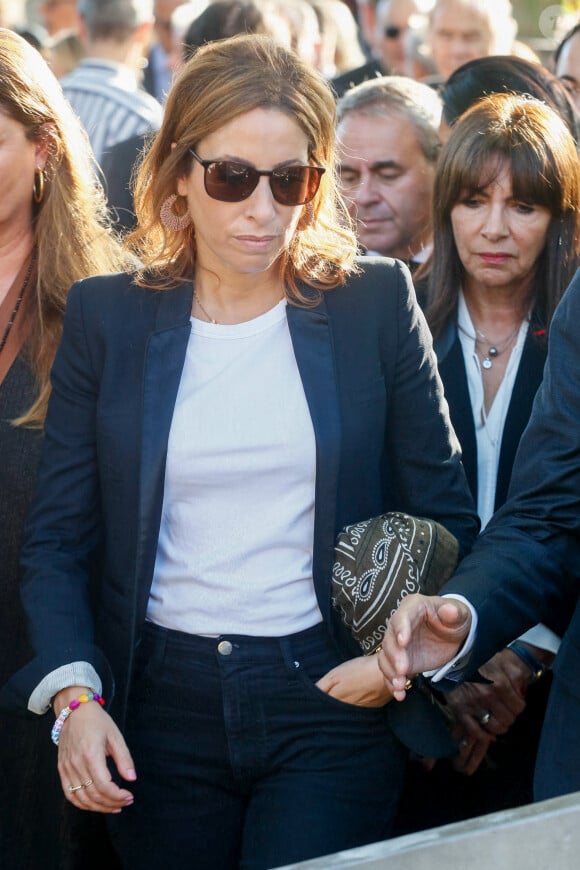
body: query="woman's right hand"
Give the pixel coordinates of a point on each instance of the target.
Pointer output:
(88, 737)
(357, 681)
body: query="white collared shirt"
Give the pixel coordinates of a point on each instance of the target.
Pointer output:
(488, 425)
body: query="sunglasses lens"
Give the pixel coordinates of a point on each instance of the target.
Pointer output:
(295, 185)
(229, 181)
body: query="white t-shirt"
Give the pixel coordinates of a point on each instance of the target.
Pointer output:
(236, 539)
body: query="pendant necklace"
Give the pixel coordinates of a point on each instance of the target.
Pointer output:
(17, 304)
(493, 350)
(211, 319)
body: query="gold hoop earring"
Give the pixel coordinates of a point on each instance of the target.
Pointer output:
(170, 220)
(38, 186)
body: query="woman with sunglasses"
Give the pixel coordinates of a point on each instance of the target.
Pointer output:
(217, 417)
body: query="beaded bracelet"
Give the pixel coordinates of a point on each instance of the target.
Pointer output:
(66, 711)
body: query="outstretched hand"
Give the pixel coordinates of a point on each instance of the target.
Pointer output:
(424, 633)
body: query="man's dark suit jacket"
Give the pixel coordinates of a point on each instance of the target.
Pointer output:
(118, 165)
(526, 563)
(382, 441)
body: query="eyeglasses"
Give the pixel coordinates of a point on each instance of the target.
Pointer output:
(392, 31)
(228, 181)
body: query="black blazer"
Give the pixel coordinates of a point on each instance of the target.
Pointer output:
(528, 379)
(382, 434)
(527, 561)
(454, 377)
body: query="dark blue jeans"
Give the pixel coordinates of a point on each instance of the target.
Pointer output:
(243, 763)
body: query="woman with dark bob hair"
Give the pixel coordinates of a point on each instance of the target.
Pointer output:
(506, 245)
(216, 418)
(504, 74)
(524, 139)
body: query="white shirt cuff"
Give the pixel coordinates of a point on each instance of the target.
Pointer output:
(542, 637)
(453, 669)
(75, 674)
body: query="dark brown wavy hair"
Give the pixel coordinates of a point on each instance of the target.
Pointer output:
(537, 146)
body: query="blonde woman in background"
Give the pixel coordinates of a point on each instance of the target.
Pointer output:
(53, 231)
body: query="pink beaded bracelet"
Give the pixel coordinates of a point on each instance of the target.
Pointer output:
(66, 711)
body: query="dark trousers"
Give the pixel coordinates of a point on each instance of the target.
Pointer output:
(243, 762)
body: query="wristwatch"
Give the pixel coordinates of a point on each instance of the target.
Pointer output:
(537, 667)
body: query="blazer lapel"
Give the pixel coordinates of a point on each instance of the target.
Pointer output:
(164, 359)
(312, 341)
(528, 379)
(454, 377)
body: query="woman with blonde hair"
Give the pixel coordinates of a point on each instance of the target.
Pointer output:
(53, 231)
(216, 418)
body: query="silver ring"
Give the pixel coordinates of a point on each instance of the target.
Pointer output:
(484, 720)
(72, 788)
(87, 783)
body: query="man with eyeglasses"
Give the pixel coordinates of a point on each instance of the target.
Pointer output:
(392, 33)
(392, 27)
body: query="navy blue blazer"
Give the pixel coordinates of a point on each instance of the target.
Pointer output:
(383, 441)
(526, 563)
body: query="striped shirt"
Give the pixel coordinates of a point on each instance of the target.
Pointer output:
(110, 104)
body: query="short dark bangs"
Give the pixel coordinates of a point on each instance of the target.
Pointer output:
(534, 179)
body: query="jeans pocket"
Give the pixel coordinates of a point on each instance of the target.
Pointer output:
(309, 670)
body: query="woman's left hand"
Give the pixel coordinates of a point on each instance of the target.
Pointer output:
(500, 701)
(357, 681)
(485, 710)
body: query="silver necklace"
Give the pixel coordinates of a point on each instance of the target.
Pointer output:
(493, 350)
(211, 319)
